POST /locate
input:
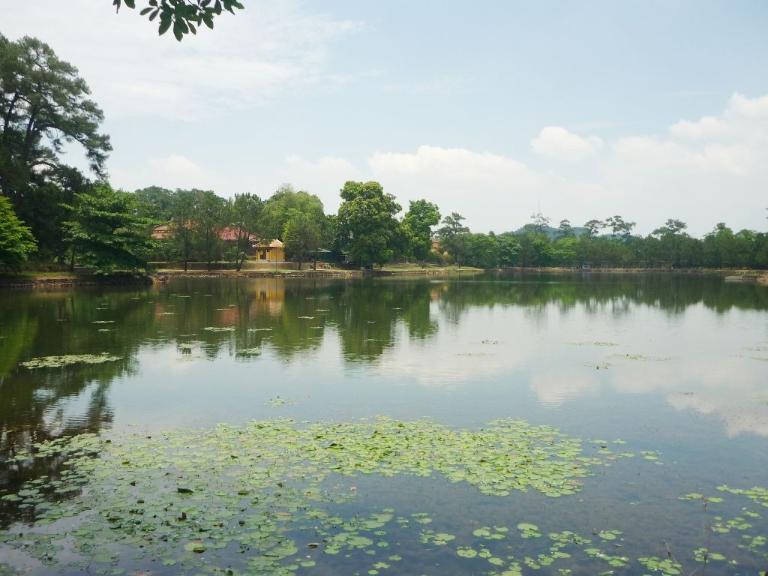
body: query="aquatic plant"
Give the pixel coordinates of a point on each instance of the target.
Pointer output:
(267, 498)
(68, 360)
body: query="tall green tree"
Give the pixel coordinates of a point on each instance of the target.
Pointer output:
(453, 236)
(565, 230)
(208, 220)
(16, 240)
(593, 227)
(282, 205)
(620, 227)
(368, 230)
(155, 203)
(672, 238)
(183, 213)
(509, 247)
(417, 226)
(302, 236)
(44, 104)
(244, 211)
(105, 230)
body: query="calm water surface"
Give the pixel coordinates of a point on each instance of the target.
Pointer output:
(677, 366)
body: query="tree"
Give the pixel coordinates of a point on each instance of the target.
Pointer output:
(619, 227)
(509, 247)
(482, 250)
(565, 230)
(593, 227)
(535, 248)
(183, 16)
(183, 210)
(366, 223)
(540, 222)
(44, 104)
(302, 236)
(563, 250)
(417, 227)
(155, 203)
(208, 219)
(282, 204)
(671, 237)
(244, 212)
(106, 232)
(16, 240)
(452, 236)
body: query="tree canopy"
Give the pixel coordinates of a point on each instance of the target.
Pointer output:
(303, 236)
(417, 226)
(16, 240)
(366, 223)
(106, 232)
(279, 208)
(44, 104)
(244, 211)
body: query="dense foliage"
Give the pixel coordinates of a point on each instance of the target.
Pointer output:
(44, 104)
(417, 228)
(16, 241)
(367, 226)
(606, 243)
(106, 232)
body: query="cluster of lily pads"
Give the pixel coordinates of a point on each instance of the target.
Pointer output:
(274, 497)
(69, 360)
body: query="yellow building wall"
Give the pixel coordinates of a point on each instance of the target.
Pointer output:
(269, 254)
(276, 255)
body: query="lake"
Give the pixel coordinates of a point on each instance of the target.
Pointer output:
(491, 424)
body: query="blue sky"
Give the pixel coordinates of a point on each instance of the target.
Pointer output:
(495, 109)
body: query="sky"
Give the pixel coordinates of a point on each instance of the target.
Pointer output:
(496, 109)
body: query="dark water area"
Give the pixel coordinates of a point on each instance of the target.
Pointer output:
(671, 369)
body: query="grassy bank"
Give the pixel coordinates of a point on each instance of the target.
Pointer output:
(725, 272)
(425, 270)
(166, 274)
(70, 279)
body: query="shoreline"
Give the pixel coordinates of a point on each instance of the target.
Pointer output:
(73, 280)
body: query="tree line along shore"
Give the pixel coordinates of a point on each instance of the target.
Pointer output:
(58, 219)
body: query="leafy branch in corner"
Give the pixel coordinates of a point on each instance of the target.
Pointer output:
(183, 16)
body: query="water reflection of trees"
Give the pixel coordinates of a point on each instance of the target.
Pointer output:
(614, 294)
(33, 403)
(289, 318)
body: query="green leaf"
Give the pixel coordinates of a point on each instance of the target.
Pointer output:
(165, 23)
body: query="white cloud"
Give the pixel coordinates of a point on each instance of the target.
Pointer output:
(172, 171)
(323, 177)
(557, 142)
(703, 171)
(268, 47)
(493, 191)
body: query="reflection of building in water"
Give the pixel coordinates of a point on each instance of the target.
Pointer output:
(269, 297)
(437, 291)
